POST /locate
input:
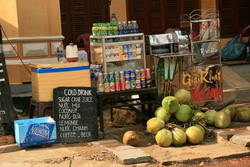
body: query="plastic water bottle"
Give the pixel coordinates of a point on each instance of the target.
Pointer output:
(135, 26)
(125, 27)
(130, 28)
(59, 53)
(113, 18)
(120, 28)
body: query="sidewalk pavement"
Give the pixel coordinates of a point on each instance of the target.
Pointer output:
(230, 143)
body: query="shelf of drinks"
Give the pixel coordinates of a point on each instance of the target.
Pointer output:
(118, 43)
(116, 60)
(116, 36)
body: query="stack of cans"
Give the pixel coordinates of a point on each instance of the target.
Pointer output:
(124, 80)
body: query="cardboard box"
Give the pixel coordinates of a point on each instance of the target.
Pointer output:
(36, 131)
(46, 77)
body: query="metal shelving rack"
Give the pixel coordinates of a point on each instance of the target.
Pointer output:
(206, 43)
(103, 42)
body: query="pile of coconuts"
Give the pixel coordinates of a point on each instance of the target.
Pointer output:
(177, 122)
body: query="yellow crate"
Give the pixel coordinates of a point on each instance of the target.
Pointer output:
(46, 77)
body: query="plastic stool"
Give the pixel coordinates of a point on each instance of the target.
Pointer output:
(40, 106)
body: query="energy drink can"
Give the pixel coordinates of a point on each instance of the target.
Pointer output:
(122, 85)
(138, 84)
(127, 74)
(149, 83)
(106, 87)
(117, 76)
(143, 83)
(137, 74)
(147, 73)
(142, 73)
(132, 73)
(100, 78)
(112, 86)
(127, 83)
(133, 83)
(111, 77)
(122, 76)
(117, 86)
(100, 87)
(105, 77)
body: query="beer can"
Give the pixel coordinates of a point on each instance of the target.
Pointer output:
(138, 84)
(143, 83)
(122, 76)
(137, 74)
(106, 87)
(111, 77)
(142, 73)
(127, 74)
(100, 78)
(100, 87)
(117, 86)
(117, 76)
(149, 83)
(132, 73)
(127, 84)
(106, 77)
(122, 85)
(112, 86)
(147, 73)
(133, 83)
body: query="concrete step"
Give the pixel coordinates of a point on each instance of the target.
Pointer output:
(235, 86)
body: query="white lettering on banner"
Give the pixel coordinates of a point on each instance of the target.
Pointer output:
(68, 122)
(68, 134)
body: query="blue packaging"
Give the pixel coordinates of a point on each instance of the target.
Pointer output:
(36, 131)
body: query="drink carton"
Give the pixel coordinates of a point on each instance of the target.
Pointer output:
(36, 131)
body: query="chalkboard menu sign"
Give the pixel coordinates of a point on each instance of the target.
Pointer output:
(75, 113)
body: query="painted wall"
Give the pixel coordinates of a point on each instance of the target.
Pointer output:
(30, 18)
(38, 18)
(8, 17)
(119, 8)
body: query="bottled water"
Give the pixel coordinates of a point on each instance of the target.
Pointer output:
(130, 28)
(120, 28)
(113, 18)
(125, 28)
